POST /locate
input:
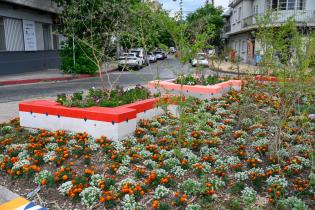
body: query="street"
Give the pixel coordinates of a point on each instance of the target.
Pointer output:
(12, 94)
(164, 69)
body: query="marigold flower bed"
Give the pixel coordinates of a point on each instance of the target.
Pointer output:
(224, 158)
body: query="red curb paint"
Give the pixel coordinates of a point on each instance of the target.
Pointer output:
(30, 81)
(117, 114)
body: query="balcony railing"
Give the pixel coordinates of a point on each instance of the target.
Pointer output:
(300, 16)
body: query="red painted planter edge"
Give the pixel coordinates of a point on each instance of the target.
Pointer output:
(116, 115)
(168, 85)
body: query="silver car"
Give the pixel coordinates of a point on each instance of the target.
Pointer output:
(151, 57)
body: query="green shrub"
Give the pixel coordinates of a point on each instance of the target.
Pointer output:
(191, 80)
(104, 98)
(83, 64)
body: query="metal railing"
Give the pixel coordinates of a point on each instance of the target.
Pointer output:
(300, 16)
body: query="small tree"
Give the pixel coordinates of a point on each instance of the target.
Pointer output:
(287, 53)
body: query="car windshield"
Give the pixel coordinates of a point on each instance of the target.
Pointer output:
(150, 54)
(157, 52)
(136, 52)
(127, 55)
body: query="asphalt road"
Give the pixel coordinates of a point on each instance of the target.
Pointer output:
(165, 69)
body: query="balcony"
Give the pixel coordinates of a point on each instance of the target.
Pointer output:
(232, 3)
(300, 16)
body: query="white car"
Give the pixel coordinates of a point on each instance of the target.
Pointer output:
(200, 60)
(151, 57)
(172, 50)
(140, 54)
(129, 60)
(159, 54)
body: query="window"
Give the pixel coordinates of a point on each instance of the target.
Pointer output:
(234, 16)
(243, 46)
(286, 4)
(2, 35)
(255, 9)
(291, 4)
(47, 37)
(39, 36)
(13, 34)
(300, 4)
(274, 4)
(239, 13)
(282, 4)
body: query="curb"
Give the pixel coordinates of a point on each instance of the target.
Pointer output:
(31, 81)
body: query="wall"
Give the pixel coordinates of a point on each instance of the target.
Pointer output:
(246, 11)
(239, 44)
(23, 13)
(15, 60)
(261, 5)
(22, 62)
(44, 5)
(310, 5)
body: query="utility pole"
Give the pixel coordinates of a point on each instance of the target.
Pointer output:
(181, 12)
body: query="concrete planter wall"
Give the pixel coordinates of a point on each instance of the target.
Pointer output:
(198, 91)
(114, 123)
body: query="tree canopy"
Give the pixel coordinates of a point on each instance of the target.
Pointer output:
(206, 19)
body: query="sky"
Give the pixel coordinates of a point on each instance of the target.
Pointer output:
(189, 5)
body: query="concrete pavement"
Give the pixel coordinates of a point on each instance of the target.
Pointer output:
(11, 95)
(6, 195)
(12, 201)
(47, 75)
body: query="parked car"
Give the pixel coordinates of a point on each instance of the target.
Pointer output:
(140, 54)
(151, 57)
(159, 54)
(130, 60)
(200, 60)
(172, 50)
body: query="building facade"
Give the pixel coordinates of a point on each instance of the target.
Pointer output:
(28, 41)
(240, 22)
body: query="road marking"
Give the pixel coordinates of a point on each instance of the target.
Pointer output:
(20, 204)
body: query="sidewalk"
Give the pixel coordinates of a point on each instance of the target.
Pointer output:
(11, 110)
(46, 75)
(12, 201)
(227, 67)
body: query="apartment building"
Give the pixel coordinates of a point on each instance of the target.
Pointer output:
(240, 22)
(27, 38)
